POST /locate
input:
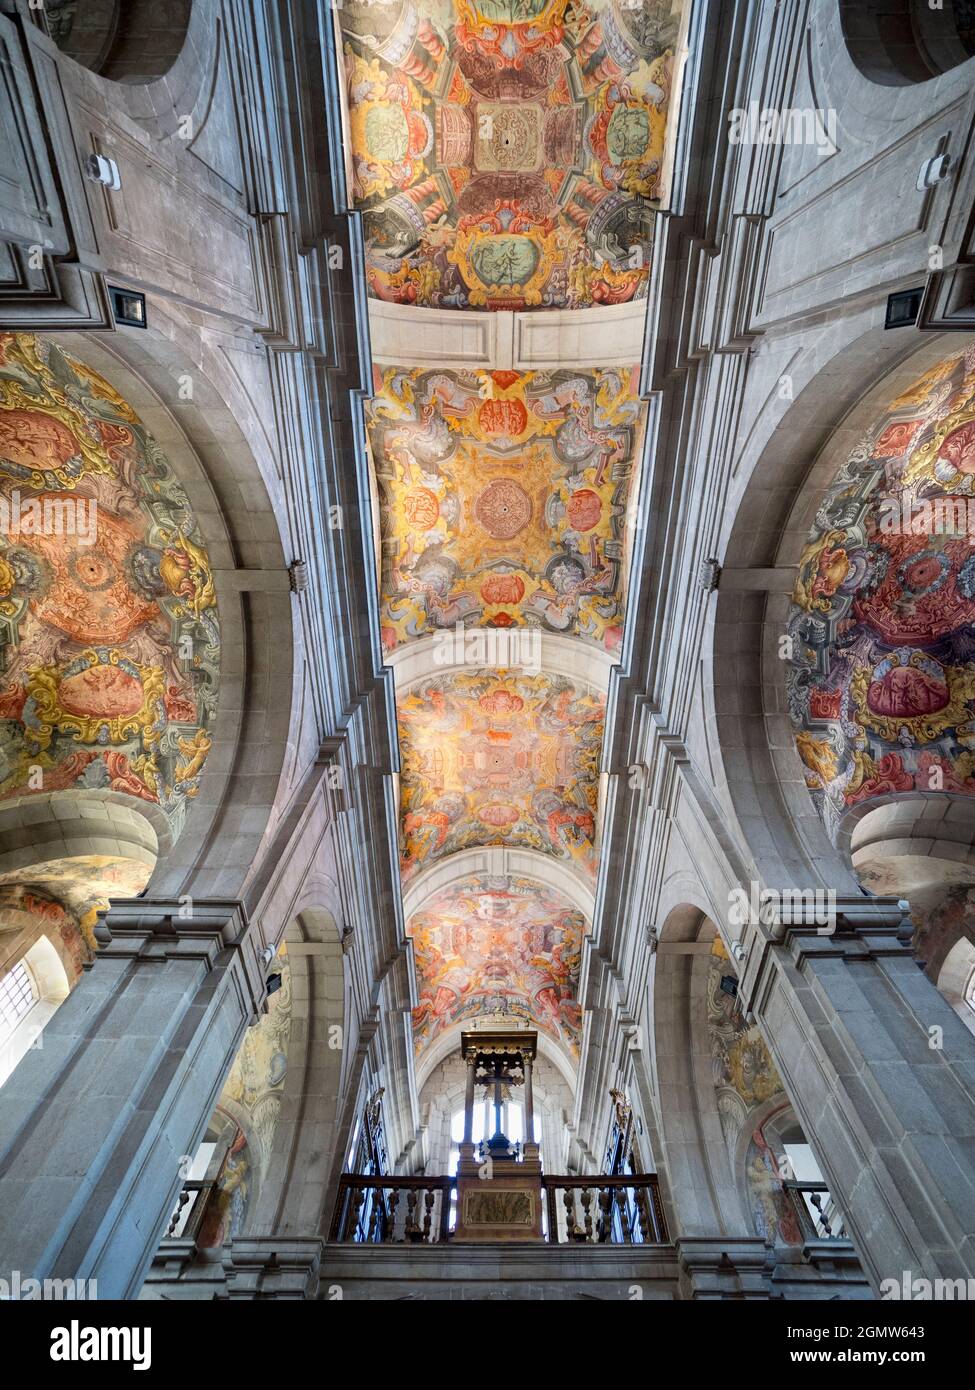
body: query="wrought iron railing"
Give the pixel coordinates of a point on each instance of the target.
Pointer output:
(819, 1216)
(595, 1210)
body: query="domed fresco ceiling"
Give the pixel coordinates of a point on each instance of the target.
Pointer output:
(508, 154)
(107, 611)
(503, 499)
(500, 945)
(499, 758)
(882, 681)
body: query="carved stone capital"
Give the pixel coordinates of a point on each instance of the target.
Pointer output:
(273, 1267)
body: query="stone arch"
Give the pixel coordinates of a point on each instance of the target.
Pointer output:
(879, 651)
(448, 1042)
(131, 41)
(955, 979)
(898, 43)
(307, 1154)
(111, 636)
(233, 488)
(701, 1192)
(835, 402)
(47, 973)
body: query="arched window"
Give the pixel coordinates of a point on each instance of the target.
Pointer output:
(970, 992)
(897, 43)
(126, 40)
(30, 992)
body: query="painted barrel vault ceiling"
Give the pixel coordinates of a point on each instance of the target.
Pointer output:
(508, 153)
(503, 499)
(505, 155)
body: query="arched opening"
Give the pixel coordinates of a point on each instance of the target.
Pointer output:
(111, 643)
(897, 43)
(31, 989)
(224, 1178)
(132, 41)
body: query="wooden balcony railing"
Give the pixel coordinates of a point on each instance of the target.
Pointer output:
(595, 1210)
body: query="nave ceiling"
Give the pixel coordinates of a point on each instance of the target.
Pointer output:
(508, 153)
(505, 155)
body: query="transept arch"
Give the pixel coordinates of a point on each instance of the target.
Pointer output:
(836, 400)
(194, 407)
(897, 43)
(111, 638)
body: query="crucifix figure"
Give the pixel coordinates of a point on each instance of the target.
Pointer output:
(497, 1073)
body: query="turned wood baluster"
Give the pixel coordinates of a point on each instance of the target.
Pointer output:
(374, 1213)
(358, 1197)
(587, 1211)
(605, 1224)
(568, 1201)
(393, 1204)
(643, 1212)
(624, 1214)
(428, 1198)
(411, 1225)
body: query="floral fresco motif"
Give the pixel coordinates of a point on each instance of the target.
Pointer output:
(508, 153)
(499, 758)
(109, 629)
(500, 945)
(881, 682)
(503, 499)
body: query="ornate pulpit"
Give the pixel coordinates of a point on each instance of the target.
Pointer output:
(499, 1184)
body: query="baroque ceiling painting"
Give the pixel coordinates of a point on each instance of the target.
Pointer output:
(108, 619)
(498, 945)
(499, 758)
(508, 154)
(881, 689)
(503, 499)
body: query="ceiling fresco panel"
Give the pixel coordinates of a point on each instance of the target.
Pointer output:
(498, 946)
(499, 758)
(509, 154)
(504, 499)
(109, 634)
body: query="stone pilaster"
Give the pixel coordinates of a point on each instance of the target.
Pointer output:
(881, 1072)
(95, 1123)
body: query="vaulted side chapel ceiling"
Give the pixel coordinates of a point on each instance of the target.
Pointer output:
(506, 156)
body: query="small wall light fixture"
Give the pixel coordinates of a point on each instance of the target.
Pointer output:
(903, 308)
(128, 307)
(932, 172)
(100, 169)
